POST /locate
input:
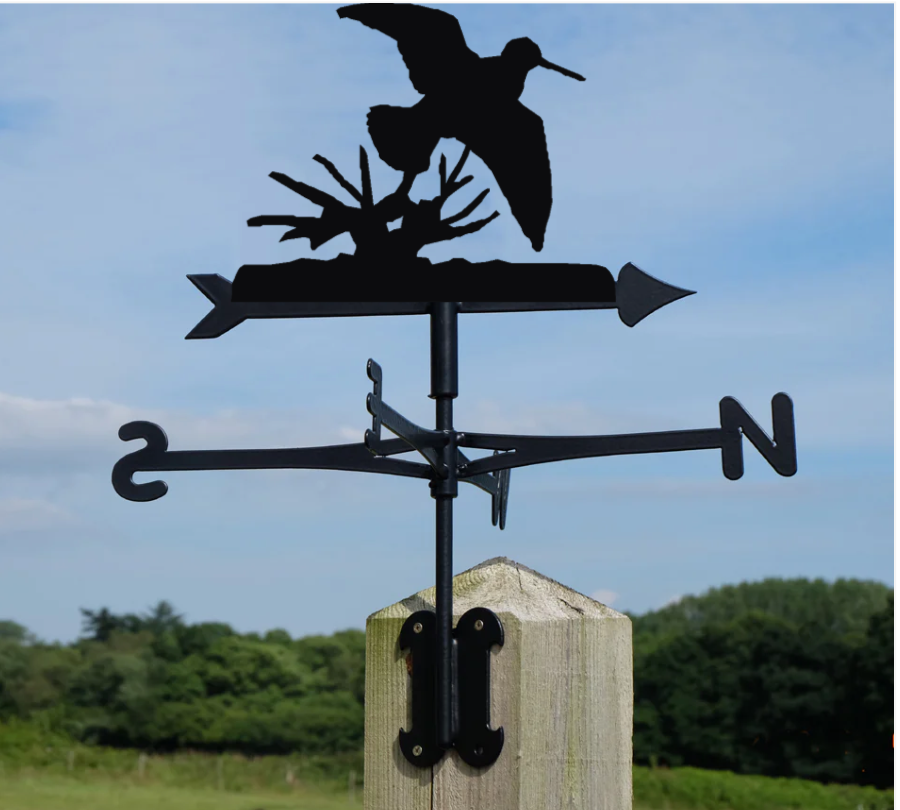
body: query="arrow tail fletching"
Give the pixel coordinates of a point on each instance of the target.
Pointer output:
(222, 319)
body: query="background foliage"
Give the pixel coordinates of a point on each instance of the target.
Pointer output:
(780, 678)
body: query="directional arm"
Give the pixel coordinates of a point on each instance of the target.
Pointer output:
(372, 455)
(156, 457)
(522, 451)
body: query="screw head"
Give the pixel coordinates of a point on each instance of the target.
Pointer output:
(417, 750)
(417, 628)
(479, 625)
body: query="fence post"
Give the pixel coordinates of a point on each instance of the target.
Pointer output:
(70, 761)
(561, 688)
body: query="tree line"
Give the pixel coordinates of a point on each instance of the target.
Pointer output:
(157, 682)
(784, 678)
(777, 678)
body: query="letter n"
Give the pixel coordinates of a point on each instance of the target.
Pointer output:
(780, 452)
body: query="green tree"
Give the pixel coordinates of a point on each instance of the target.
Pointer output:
(13, 671)
(198, 638)
(162, 619)
(278, 636)
(870, 690)
(238, 665)
(338, 661)
(99, 625)
(840, 608)
(15, 633)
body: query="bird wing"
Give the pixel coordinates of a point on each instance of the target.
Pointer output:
(510, 139)
(430, 41)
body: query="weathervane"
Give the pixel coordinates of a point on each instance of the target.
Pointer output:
(475, 101)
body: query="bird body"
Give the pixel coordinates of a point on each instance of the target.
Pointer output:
(472, 99)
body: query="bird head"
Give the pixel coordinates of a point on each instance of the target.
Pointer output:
(525, 53)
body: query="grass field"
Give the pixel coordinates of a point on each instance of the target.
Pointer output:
(41, 771)
(689, 790)
(61, 793)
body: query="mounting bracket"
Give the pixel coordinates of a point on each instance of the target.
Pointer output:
(477, 744)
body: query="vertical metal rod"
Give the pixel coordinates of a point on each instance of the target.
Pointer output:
(444, 389)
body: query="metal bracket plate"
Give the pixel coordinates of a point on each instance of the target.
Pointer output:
(477, 631)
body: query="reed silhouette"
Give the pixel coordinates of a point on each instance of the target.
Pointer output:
(421, 225)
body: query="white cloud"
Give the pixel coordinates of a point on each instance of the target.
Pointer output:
(66, 436)
(605, 597)
(28, 515)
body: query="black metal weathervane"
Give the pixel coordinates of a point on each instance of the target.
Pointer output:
(475, 101)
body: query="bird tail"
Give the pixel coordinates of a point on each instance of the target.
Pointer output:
(403, 137)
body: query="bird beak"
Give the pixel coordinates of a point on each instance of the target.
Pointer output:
(550, 66)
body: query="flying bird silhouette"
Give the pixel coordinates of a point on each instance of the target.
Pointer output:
(470, 98)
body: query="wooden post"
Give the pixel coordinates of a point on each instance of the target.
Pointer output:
(561, 687)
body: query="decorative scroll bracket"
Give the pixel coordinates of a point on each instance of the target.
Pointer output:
(426, 442)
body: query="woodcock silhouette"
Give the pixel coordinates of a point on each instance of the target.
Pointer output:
(467, 97)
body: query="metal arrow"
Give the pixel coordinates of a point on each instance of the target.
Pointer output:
(636, 296)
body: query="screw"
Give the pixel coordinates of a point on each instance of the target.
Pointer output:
(479, 625)
(417, 750)
(460, 437)
(417, 627)
(479, 752)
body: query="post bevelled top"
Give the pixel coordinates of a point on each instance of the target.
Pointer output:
(505, 586)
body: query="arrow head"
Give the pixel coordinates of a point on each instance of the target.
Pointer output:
(639, 295)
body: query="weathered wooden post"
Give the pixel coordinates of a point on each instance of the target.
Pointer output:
(560, 687)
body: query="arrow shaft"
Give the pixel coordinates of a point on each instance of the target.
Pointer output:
(537, 306)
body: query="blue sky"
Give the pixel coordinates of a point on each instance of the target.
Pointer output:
(745, 152)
